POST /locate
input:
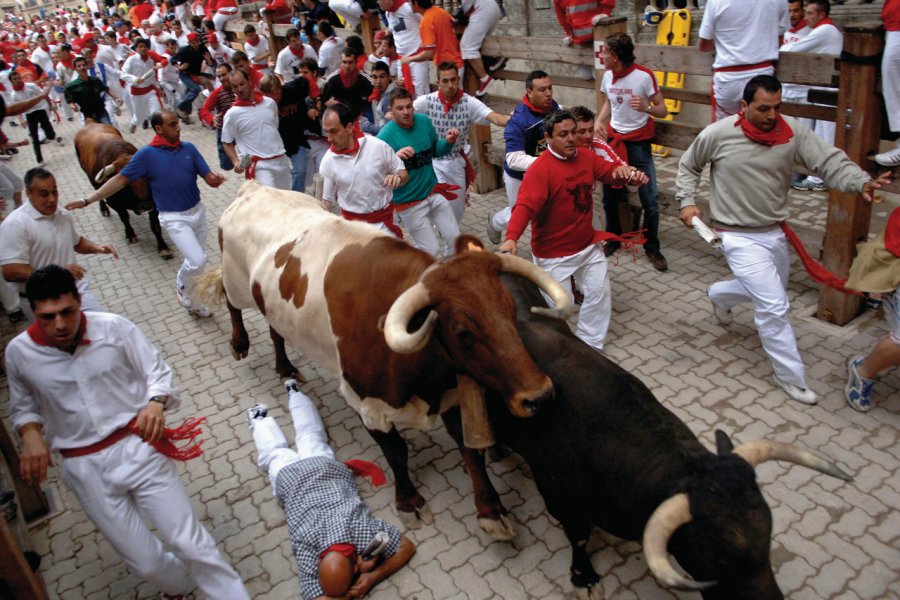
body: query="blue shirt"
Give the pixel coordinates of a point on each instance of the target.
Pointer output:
(172, 175)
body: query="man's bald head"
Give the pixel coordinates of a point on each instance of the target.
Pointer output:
(335, 574)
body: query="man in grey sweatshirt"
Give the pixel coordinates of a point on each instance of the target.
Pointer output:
(751, 156)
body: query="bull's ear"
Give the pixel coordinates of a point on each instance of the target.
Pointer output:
(723, 443)
(468, 242)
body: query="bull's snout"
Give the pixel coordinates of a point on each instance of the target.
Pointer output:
(526, 403)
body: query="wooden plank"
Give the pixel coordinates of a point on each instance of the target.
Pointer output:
(538, 49)
(675, 134)
(487, 177)
(573, 82)
(14, 569)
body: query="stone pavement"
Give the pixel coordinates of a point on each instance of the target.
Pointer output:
(831, 539)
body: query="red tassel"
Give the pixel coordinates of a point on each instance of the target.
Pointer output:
(189, 430)
(816, 270)
(367, 469)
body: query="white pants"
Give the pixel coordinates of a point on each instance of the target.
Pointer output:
(481, 24)
(349, 10)
(9, 296)
(272, 447)
(419, 71)
(142, 106)
(183, 14)
(728, 89)
(760, 263)
(317, 150)
(188, 232)
(453, 171)
(128, 482)
(890, 77)
(275, 173)
(501, 217)
(433, 211)
(88, 300)
(891, 304)
(589, 267)
(223, 15)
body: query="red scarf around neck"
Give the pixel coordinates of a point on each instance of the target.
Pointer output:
(159, 141)
(257, 98)
(253, 41)
(313, 86)
(825, 21)
(448, 104)
(19, 86)
(780, 134)
(532, 107)
(40, 338)
(357, 135)
(396, 5)
(617, 75)
(375, 96)
(349, 80)
(298, 53)
(800, 25)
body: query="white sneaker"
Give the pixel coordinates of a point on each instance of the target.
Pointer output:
(889, 159)
(183, 300)
(804, 395)
(723, 315)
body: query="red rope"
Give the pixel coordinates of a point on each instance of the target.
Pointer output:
(816, 270)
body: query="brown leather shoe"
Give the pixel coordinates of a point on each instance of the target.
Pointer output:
(658, 260)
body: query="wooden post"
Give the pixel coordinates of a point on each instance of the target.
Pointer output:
(369, 24)
(857, 133)
(487, 177)
(14, 569)
(276, 44)
(32, 500)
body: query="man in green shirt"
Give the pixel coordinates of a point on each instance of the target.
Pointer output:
(85, 93)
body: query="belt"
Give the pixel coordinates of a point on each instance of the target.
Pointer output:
(250, 173)
(735, 68)
(740, 229)
(140, 91)
(192, 210)
(106, 442)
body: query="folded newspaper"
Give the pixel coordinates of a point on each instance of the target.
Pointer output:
(711, 237)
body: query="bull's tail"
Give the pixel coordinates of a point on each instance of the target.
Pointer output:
(210, 287)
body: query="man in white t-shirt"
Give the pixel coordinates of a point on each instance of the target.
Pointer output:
(257, 48)
(450, 108)
(361, 172)
(404, 25)
(329, 49)
(287, 65)
(632, 97)
(250, 136)
(746, 36)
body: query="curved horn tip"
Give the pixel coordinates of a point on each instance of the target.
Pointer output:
(555, 313)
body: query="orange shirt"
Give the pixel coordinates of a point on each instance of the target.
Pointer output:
(436, 31)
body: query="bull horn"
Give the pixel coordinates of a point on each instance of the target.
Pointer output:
(396, 334)
(763, 450)
(563, 307)
(665, 520)
(105, 173)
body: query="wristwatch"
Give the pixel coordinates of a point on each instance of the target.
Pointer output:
(161, 399)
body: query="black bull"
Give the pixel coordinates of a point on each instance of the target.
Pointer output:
(607, 453)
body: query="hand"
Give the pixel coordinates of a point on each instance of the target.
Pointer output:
(312, 113)
(600, 131)
(508, 246)
(107, 249)
(406, 153)
(150, 422)
(35, 455)
(452, 136)
(567, 40)
(77, 271)
(687, 214)
(637, 177)
(332, 102)
(392, 181)
(74, 107)
(119, 102)
(404, 60)
(362, 585)
(601, 18)
(238, 168)
(639, 104)
(874, 184)
(214, 180)
(75, 204)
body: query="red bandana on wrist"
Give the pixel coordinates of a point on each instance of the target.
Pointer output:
(257, 98)
(448, 104)
(780, 134)
(617, 75)
(159, 141)
(532, 107)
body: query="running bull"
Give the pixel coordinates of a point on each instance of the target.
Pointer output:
(397, 328)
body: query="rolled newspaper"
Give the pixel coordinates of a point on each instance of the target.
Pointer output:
(711, 237)
(146, 76)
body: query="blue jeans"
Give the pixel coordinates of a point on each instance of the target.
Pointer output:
(191, 91)
(224, 161)
(298, 169)
(639, 156)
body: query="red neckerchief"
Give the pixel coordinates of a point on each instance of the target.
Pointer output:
(349, 80)
(257, 98)
(892, 233)
(780, 134)
(313, 87)
(298, 53)
(253, 42)
(40, 338)
(358, 135)
(159, 141)
(448, 104)
(69, 64)
(617, 75)
(396, 5)
(375, 96)
(361, 62)
(19, 86)
(532, 107)
(348, 550)
(825, 21)
(800, 25)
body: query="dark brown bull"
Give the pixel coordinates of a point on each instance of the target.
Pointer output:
(102, 152)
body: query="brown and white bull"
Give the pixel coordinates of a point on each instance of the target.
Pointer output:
(103, 152)
(396, 327)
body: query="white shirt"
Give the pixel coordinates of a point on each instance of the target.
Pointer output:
(82, 398)
(221, 54)
(330, 55)
(158, 42)
(31, 90)
(745, 32)
(791, 37)
(288, 64)
(29, 238)
(65, 74)
(253, 129)
(42, 58)
(823, 39)
(404, 24)
(357, 182)
(642, 83)
(467, 111)
(258, 50)
(134, 68)
(107, 56)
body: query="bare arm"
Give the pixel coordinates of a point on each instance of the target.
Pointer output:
(423, 56)
(16, 273)
(368, 580)
(705, 45)
(86, 246)
(19, 107)
(115, 183)
(497, 119)
(232, 156)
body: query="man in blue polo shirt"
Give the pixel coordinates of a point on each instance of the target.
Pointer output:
(171, 168)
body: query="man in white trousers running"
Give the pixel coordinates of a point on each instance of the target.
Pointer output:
(117, 454)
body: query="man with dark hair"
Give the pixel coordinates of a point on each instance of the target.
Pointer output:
(171, 168)
(340, 549)
(421, 203)
(799, 27)
(348, 86)
(556, 197)
(36, 116)
(257, 48)
(404, 26)
(631, 96)
(287, 64)
(750, 211)
(292, 122)
(439, 42)
(450, 108)
(241, 63)
(40, 233)
(382, 86)
(525, 141)
(85, 93)
(214, 108)
(360, 171)
(139, 71)
(190, 60)
(330, 48)
(117, 454)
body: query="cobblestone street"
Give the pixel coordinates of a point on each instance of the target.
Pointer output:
(831, 539)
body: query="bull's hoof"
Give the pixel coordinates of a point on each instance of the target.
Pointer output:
(594, 592)
(239, 354)
(417, 517)
(133, 239)
(289, 371)
(502, 529)
(165, 253)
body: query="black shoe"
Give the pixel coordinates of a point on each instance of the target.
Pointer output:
(659, 261)
(498, 64)
(610, 248)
